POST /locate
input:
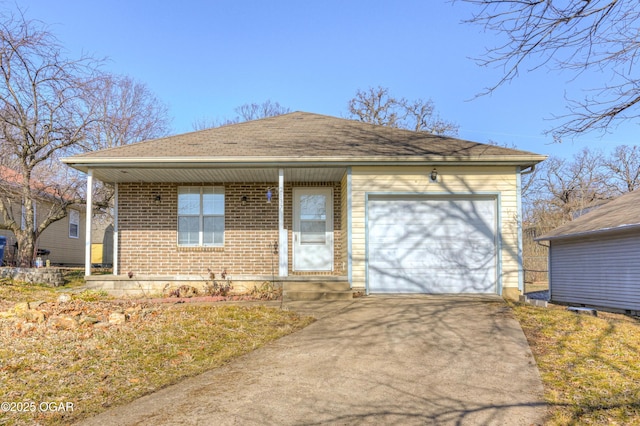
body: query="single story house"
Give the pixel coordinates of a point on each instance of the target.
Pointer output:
(303, 198)
(594, 261)
(62, 243)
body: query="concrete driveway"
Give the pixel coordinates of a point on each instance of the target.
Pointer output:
(459, 360)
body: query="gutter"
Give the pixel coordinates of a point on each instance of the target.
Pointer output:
(595, 232)
(532, 168)
(244, 162)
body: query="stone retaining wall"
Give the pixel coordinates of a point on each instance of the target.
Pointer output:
(49, 276)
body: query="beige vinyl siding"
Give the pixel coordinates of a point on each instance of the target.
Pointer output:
(451, 180)
(64, 250)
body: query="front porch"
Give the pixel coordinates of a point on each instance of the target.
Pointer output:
(287, 227)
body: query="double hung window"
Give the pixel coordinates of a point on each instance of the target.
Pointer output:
(74, 224)
(200, 216)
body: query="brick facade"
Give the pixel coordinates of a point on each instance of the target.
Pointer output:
(148, 231)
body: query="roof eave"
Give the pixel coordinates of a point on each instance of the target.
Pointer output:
(594, 232)
(85, 163)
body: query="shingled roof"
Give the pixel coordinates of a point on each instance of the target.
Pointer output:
(300, 137)
(619, 214)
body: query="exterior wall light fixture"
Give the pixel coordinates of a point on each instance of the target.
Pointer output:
(243, 200)
(434, 175)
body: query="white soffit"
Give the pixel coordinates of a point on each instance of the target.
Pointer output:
(218, 175)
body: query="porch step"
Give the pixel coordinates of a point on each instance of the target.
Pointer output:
(317, 290)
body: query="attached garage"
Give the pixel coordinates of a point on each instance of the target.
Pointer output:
(432, 244)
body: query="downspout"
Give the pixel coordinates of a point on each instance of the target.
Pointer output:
(528, 170)
(532, 168)
(519, 174)
(88, 223)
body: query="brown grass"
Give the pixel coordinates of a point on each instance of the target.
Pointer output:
(98, 367)
(590, 366)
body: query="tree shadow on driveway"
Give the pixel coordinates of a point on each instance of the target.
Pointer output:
(374, 360)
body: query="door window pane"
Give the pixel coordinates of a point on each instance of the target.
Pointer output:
(313, 231)
(313, 207)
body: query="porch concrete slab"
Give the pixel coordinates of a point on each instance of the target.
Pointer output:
(458, 360)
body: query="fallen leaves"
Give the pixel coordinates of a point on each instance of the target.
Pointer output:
(104, 353)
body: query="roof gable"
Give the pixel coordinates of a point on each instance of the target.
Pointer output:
(620, 213)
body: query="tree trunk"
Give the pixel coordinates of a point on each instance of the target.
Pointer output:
(26, 250)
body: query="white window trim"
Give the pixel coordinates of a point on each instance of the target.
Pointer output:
(72, 222)
(201, 216)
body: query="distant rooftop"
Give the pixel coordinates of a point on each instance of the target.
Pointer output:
(618, 214)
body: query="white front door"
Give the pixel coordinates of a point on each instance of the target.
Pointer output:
(312, 229)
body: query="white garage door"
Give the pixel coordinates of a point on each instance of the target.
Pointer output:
(431, 245)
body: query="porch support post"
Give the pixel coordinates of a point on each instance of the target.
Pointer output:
(115, 231)
(88, 220)
(283, 269)
(349, 230)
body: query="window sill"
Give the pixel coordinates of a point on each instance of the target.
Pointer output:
(200, 249)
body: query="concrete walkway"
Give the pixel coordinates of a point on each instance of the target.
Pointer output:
(459, 360)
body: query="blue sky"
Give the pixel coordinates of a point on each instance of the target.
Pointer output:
(205, 58)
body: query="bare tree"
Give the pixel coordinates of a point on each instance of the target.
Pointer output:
(375, 106)
(126, 112)
(573, 35)
(246, 112)
(378, 106)
(254, 111)
(204, 123)
(623, 166)
(43, 112)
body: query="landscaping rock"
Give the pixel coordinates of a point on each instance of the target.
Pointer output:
(34, 315)
(20, 308)
(26, 327)
(88, 320)
(102, 325)
(64, 322)
(64, 298)
(117, 318)
(49, 276)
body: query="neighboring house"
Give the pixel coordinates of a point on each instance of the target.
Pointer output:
(310, 198)
(62, 243)
(595, 260)
(101, 243)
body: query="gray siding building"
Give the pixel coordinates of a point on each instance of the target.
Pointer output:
(595, 260)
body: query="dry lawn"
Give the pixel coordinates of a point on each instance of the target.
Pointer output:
(590, 365)
(95, 366)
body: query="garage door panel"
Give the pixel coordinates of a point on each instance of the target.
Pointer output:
(432, 245)
(438, 281)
